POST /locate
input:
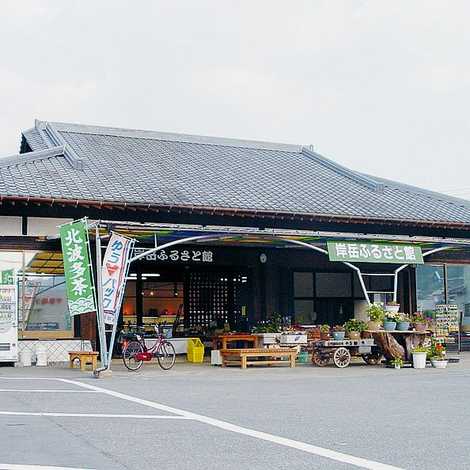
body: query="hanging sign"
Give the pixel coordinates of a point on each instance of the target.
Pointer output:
(77, 267)
(113, 275)
(177, 255)
(6, 277)
(367, 252)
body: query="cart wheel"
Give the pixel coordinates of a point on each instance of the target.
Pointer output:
(320, 360)
(342, 357)
(372, 359)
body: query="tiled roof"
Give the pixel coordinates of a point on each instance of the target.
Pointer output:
(76, 162)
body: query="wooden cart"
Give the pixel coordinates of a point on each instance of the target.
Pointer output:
(341, 351)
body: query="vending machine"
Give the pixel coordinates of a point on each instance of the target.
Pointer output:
(8, 318)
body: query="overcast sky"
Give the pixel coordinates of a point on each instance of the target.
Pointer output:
(382, 87)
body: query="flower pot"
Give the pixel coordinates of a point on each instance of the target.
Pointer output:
(325, 336)
(420, 326)
(354, 334)
(397, 366)
(403, 325)
(419, 360)
(439, 363)
(392, 308)
(338, 335)
(390, 325)
(373, 325)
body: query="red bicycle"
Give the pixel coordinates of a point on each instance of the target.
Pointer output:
(135, 352)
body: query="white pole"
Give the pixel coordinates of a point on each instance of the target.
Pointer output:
(99, 301)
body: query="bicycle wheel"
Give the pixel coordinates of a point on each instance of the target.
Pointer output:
(166, 355)
(128, 355)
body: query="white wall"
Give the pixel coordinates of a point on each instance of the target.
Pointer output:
(45, 226)
(10, 226)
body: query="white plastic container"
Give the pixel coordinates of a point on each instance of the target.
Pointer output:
(41, 355)
(25, 357)
(419, 360)
(216, 358)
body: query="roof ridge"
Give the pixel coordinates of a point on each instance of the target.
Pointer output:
(344, 171)
(168, 136)
(422, 191)
(21, 158)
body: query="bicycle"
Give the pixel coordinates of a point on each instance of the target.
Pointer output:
(135, 352)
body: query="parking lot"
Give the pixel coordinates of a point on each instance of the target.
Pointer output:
(199, 417)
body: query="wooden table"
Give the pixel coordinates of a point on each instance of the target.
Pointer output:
(397, 344)
(224, 340)
(261, 356)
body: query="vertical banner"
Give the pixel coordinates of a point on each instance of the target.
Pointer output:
(113, 275)
(77, 267)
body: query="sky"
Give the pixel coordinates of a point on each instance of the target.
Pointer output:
(382, 87)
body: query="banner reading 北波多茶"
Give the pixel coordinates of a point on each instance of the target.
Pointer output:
(366, 252)
(77, 268)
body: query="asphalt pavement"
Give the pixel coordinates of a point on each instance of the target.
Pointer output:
(201, 417)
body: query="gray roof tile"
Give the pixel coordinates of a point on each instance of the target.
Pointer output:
(122, 165)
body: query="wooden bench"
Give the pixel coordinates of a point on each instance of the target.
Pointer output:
(270, 356)
(85, 357)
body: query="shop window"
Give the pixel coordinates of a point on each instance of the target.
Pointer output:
(303, 284)
(430, 286)
(458, 287)
(43, 306)
(333, 285)
(304, 312)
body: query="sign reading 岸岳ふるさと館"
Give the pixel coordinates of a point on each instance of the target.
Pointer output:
(367, 252)
(77, 268)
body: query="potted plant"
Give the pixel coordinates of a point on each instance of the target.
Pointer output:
(420, 353)
(325, 332)
(397, 362)
(392, 307)
(354, 328)
(403, 323)
(338, 332)
(438, 356)
(419, 321)
(376, 316)
(390, 321)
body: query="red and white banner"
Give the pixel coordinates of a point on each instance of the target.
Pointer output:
(113, 275)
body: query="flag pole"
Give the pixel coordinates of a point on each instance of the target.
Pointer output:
(99, 302)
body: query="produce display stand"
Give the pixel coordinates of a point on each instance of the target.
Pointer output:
(396, 344)
(341, 351)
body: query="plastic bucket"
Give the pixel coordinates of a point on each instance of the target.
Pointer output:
(195, 350)
(419, 360)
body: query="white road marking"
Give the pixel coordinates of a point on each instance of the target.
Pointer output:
(302, 446)
(10, 466)
(87, 415)
(45, 390)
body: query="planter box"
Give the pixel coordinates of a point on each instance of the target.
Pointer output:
(294, 339)
(269, 338)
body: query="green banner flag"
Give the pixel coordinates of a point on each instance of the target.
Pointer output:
(6, 277)
(367, 252)
(77, 268)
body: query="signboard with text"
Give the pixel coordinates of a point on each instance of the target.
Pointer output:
(179, 255)
(367, 252)
(6, 277)
(77, 268)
